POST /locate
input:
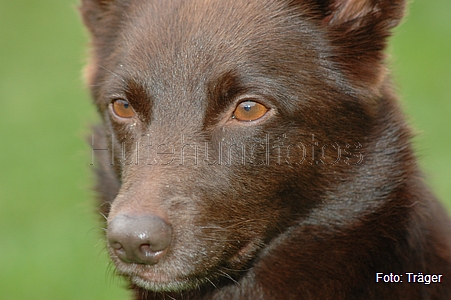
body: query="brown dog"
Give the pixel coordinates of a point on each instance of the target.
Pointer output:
(254, 150)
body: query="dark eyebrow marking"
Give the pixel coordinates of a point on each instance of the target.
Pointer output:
(139, 98)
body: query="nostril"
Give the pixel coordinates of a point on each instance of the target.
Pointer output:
(139, 239)
(119, 250)
(116, 246)
(145, 248)
(147, 251)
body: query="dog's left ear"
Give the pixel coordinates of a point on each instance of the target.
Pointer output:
(350, 15)
(358, 30)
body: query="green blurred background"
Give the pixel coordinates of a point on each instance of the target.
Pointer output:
(51, 245)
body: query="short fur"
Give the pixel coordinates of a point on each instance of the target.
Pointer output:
(309, 202)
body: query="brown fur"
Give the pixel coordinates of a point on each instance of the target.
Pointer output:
(311, 201)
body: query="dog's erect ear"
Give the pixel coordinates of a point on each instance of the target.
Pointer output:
(93, 11)
(359, 30)
(102, 18)
(354, 14)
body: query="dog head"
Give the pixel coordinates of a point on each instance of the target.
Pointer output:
(227, 122)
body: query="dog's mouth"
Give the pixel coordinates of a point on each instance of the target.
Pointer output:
(165, 278)
(176, 276)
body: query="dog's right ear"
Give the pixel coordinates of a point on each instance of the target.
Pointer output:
(94, 12)
(102, 18)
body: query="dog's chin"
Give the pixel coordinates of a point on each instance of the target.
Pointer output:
(159, 280)
(166, 284)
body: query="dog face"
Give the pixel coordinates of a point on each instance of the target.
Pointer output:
(227, 123)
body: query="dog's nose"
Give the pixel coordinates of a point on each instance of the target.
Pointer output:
(141, 239)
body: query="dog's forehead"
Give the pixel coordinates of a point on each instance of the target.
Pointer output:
(175, 20)
(199, 32)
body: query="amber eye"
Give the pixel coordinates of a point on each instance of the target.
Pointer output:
(123, 109)
(249, 111)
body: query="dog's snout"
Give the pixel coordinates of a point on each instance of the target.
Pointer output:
(141, 239)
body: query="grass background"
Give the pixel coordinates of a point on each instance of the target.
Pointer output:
(50, 241)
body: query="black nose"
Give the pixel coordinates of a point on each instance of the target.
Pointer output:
(140, 239)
